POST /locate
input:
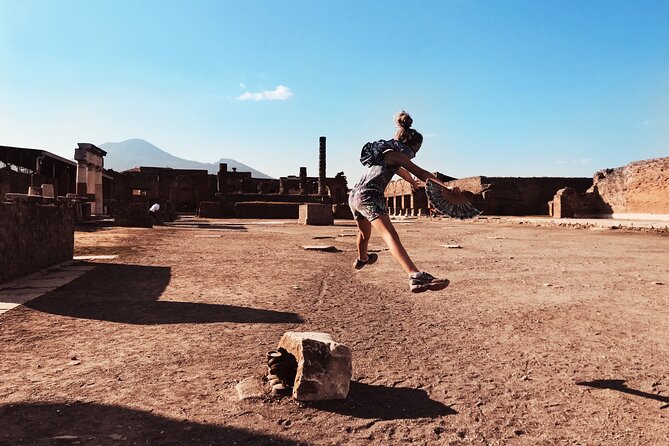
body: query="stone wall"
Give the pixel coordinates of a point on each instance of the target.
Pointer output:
(33, 237)
(134, 212)
(267, 210)
(342, 212)
(517, 196)
(641, 187)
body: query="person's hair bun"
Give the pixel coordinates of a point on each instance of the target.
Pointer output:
(403, 120)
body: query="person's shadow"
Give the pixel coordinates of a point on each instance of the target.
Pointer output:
(619, 385)
(129, 294)
(385, 403)
(84, 423)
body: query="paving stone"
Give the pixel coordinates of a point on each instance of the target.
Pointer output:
(96, 257)
(326, 248)
(250, 388)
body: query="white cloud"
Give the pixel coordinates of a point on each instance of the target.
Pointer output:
(280, 93)
(430, 135)
(582, 161)
(242, 85)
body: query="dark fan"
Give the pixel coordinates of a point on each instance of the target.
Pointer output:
(448, 203)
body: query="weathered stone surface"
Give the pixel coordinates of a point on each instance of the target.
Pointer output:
(641, 187)
(324, 367)
(326, 248)
(638, 190)
(47, 191)
(33, 237)
(249, 388)
(316, 214)
(516, 196)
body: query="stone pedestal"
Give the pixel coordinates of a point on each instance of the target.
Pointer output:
(316, 214)
(324, 367)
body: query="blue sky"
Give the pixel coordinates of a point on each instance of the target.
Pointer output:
(498, 88)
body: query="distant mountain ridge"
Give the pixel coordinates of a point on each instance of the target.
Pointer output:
(131, 153)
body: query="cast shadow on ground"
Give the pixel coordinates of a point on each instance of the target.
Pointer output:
(191, 225)
(619, 385)
(129, 294)
(27, 423)
(385, 403)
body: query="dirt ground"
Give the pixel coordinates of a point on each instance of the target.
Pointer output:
(546, 336)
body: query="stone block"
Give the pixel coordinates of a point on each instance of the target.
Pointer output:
(47, 191)
(265, 210)
(324, 367)
(33, 237)
(342, 212)
(316, 214)
(249, 388)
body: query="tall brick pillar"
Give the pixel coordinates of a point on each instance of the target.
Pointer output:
(303, 180)
(321, 167)
(222, 183)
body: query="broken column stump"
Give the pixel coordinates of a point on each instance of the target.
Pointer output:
(316, 214)
(324, 367)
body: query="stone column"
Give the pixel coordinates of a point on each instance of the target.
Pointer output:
(90, 161)
(303, 180)
(321, 167)
(99, 209)
(82, 178)
(222, 184)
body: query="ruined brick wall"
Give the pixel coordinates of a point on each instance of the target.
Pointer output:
(133, 212)
(342, 212)
(260, 209)
(517, 196)
(33, 237)
(641, 187)
(5, 187)
(210, 209)
(13, 182)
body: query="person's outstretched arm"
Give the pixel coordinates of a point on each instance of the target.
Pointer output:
(405, 175)
(394, 158)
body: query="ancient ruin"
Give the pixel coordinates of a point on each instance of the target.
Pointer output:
(324, 367)
(47, 195)
(639, 190)
(25, 168)
(239, 195)
(492, 195)
(90, 163)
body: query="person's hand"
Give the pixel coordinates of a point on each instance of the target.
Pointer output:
(415, 185)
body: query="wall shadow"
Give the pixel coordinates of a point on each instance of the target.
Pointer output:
(385, 403)
(129, 294)
(619, 385)
(42, 424)
(195, 225)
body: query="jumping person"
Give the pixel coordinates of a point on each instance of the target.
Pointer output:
(385, 159)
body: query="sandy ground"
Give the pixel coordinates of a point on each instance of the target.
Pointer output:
(546, 336)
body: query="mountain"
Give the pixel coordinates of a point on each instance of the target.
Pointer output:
(137, 152)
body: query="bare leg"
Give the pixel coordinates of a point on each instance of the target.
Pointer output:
(385, 228)
(364, 231)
